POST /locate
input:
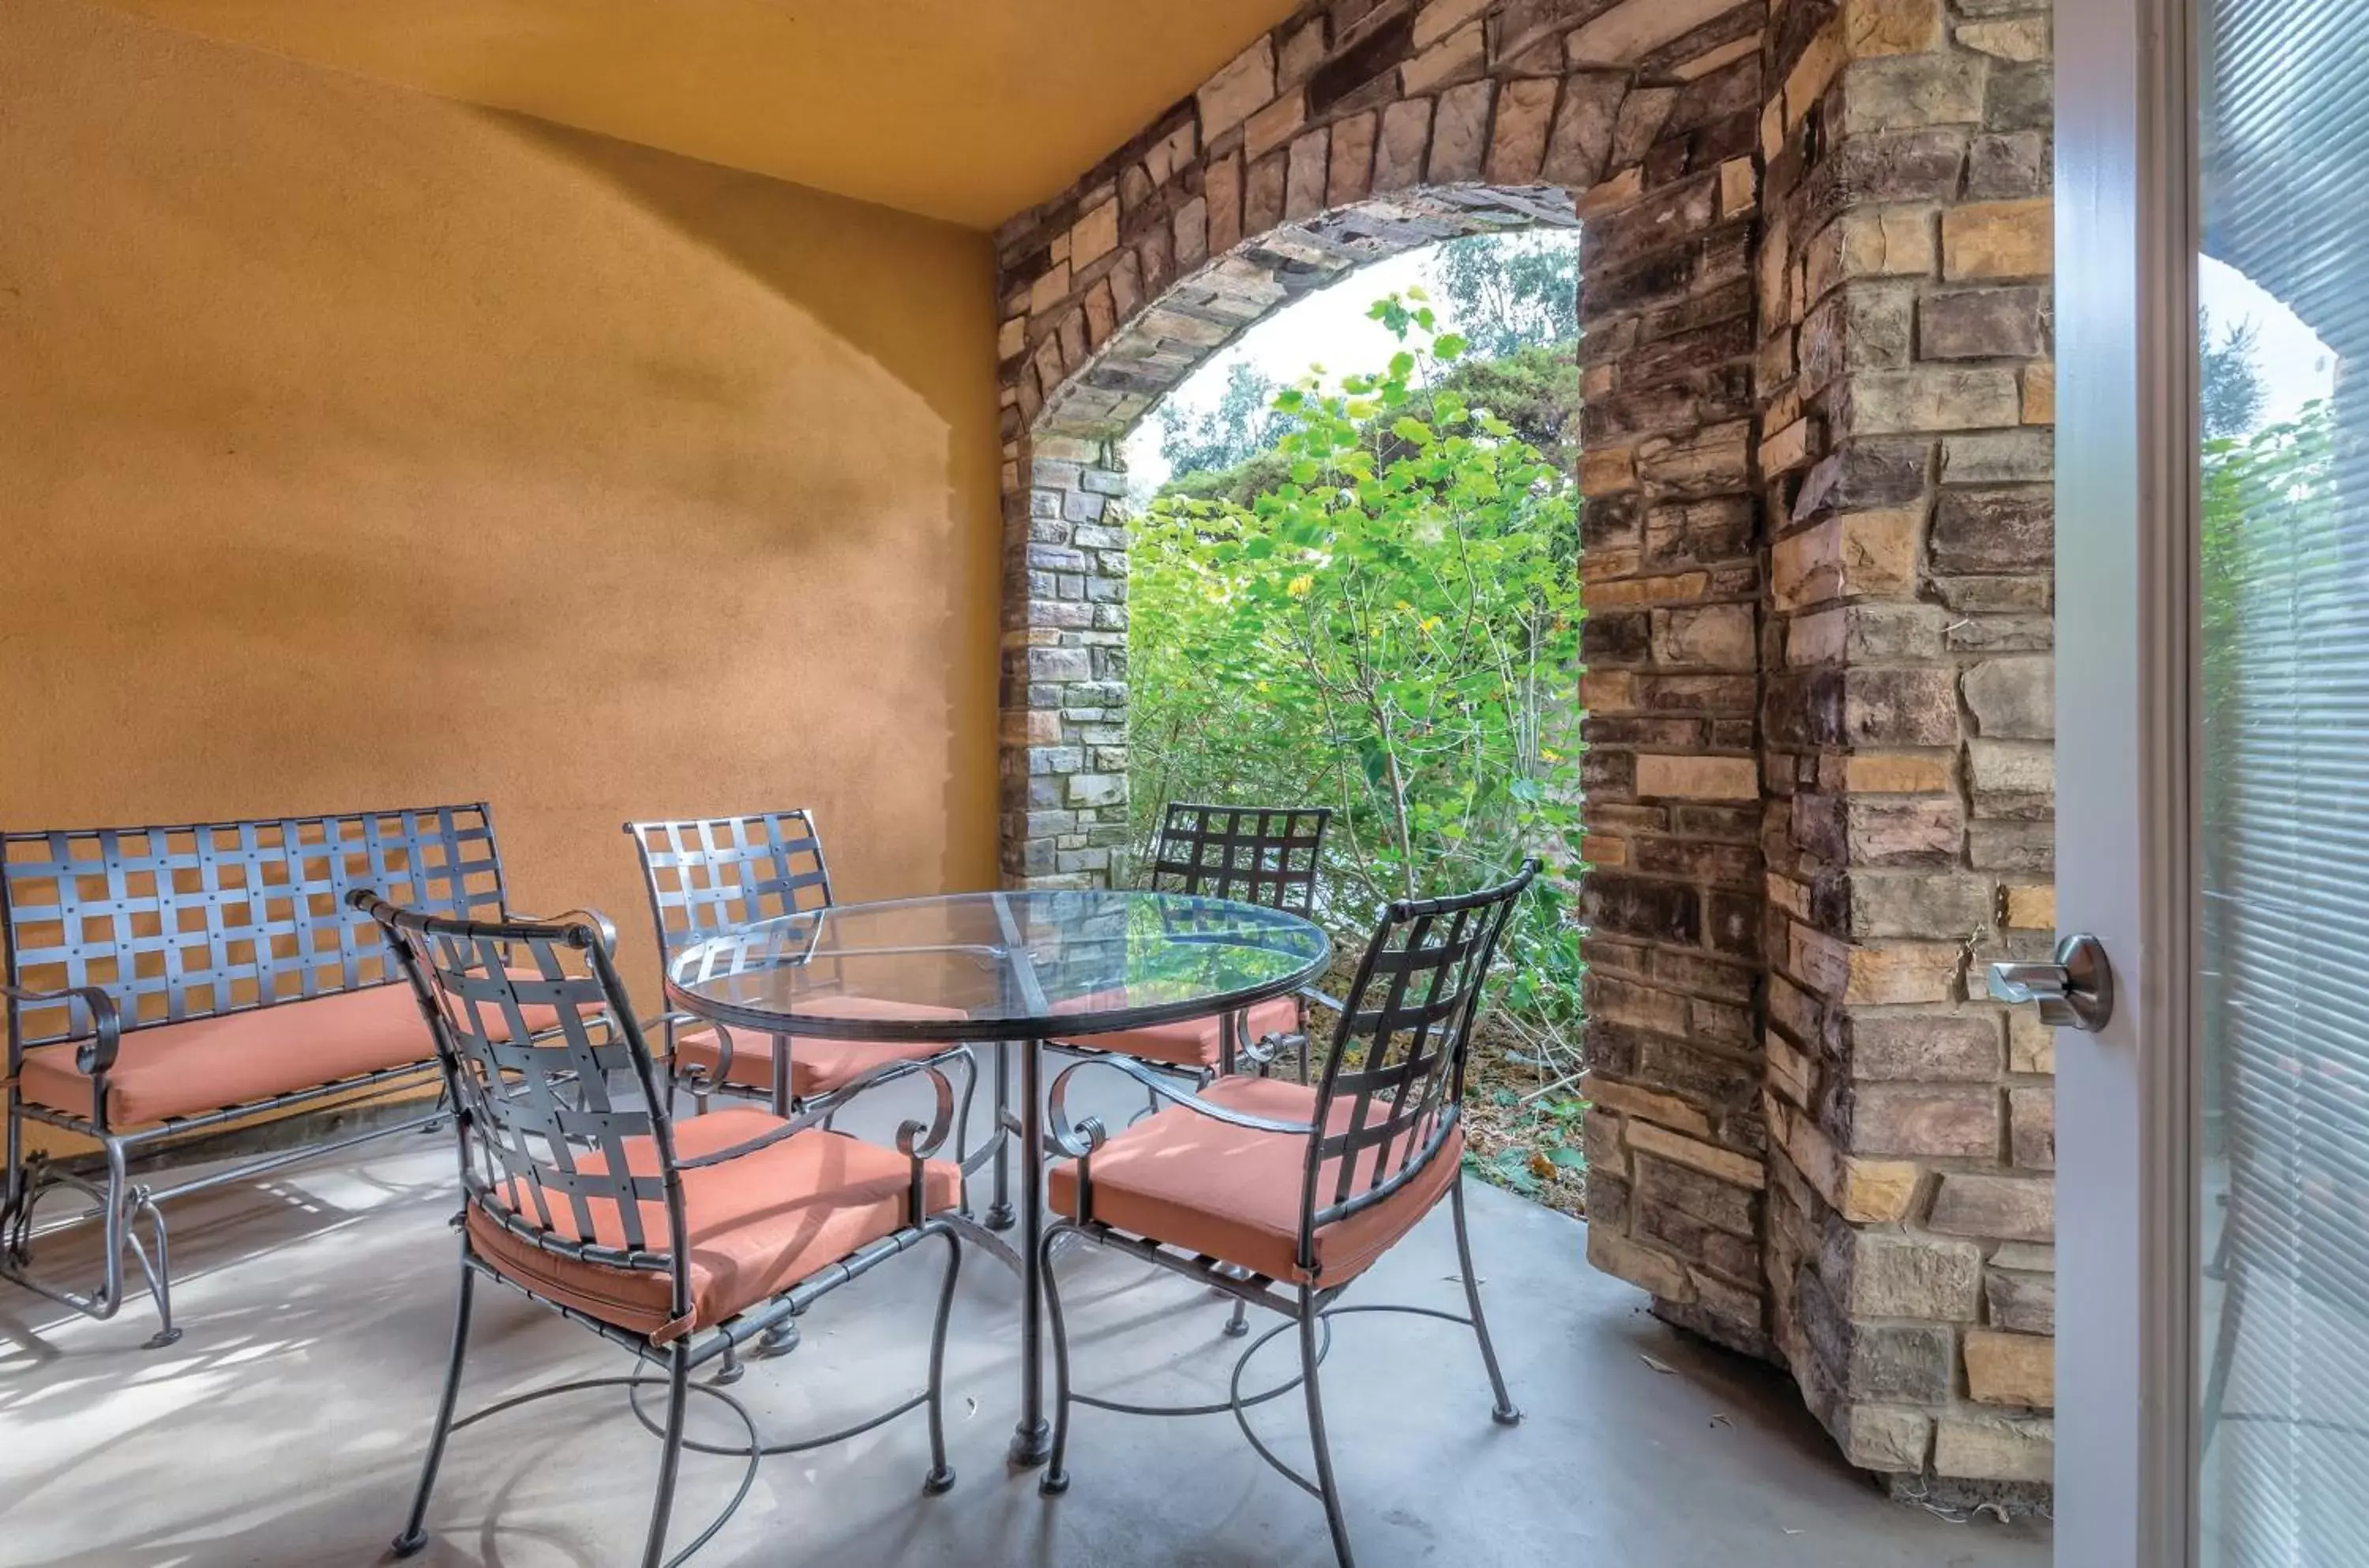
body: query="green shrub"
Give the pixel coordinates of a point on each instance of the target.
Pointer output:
(1388, 624)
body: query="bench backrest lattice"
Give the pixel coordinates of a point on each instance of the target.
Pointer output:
(208, 918)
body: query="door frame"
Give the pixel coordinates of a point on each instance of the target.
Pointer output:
(2127, 763)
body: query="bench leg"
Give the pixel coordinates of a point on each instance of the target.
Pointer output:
(160, 1274)
(118, 1206)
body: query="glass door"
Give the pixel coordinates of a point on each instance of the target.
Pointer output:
(2283, 1157)
(2214, 782)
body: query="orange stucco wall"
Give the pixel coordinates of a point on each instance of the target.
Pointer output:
(962, 109)
(359, 448)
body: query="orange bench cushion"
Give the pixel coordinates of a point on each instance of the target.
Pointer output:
(1234, 1192)
(208, 1064)
(756, 1225)
(818, 1066)
(1197, 1042)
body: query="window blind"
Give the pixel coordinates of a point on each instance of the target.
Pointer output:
(2285, 770)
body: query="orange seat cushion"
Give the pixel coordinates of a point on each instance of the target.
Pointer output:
(818, 1066)
(1197, 1042)
(755, 1226)
(1233, 1193)
(206, 1064)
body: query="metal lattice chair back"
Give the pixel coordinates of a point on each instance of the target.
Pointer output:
(1253, 854)
(538, 1039)
(1393, 1086)
(194, 921)
(708, 877)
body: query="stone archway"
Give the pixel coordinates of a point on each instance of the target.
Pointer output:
(1335, 141)
(1816, 548)
(1072, 802)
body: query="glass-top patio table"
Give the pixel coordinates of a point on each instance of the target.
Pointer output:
(1012, 968)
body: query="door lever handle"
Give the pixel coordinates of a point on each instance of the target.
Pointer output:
(2076, 991)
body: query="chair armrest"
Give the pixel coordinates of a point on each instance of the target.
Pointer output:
(1078, 1141)
(593, 918)
(941, 1124)
(684, 1023)
(765, 1140)
(105, 1034)
(918, 1140)
(1323, 999)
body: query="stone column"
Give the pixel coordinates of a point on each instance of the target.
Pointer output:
(1908, 398)
(1064, 679)
(1670, 556)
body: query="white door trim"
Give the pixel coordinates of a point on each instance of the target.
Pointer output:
(2127, 567)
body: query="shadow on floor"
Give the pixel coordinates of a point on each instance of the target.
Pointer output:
(285, 1428)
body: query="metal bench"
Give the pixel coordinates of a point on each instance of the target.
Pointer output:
(163, 983)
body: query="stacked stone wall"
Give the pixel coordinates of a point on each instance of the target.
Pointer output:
(1816, 551)
(1908, 398)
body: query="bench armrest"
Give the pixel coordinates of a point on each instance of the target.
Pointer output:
(106, 1032)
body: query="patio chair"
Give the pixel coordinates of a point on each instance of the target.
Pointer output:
(1255, 854)
(710, 875)
(1282, 1195)
(677, 1239)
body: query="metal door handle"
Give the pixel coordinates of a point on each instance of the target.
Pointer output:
(2077, 991)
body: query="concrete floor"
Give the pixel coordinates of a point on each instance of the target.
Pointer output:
(285, 1428)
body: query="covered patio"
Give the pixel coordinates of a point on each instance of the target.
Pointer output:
(597, 419)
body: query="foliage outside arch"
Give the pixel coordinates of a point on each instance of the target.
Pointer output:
(1389, 626)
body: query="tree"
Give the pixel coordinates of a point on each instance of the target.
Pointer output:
(2232, 394)
(1390, 627)
(1244, 423)
(1535, 390)
(1508, 292)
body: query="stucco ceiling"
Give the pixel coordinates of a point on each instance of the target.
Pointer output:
(962, 109)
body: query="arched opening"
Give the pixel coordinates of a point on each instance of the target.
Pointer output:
(1352, 541)
(1071, 829)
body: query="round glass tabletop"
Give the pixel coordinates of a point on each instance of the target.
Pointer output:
(997, 966)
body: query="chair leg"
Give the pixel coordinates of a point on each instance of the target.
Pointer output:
(670, 1454)
(1328, 1489)
(1239, 1323)
(19, 1190)
(414, 1531)
(1505, 1414)
(729, 1372)
(1057, 1476)
(942, 1476)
